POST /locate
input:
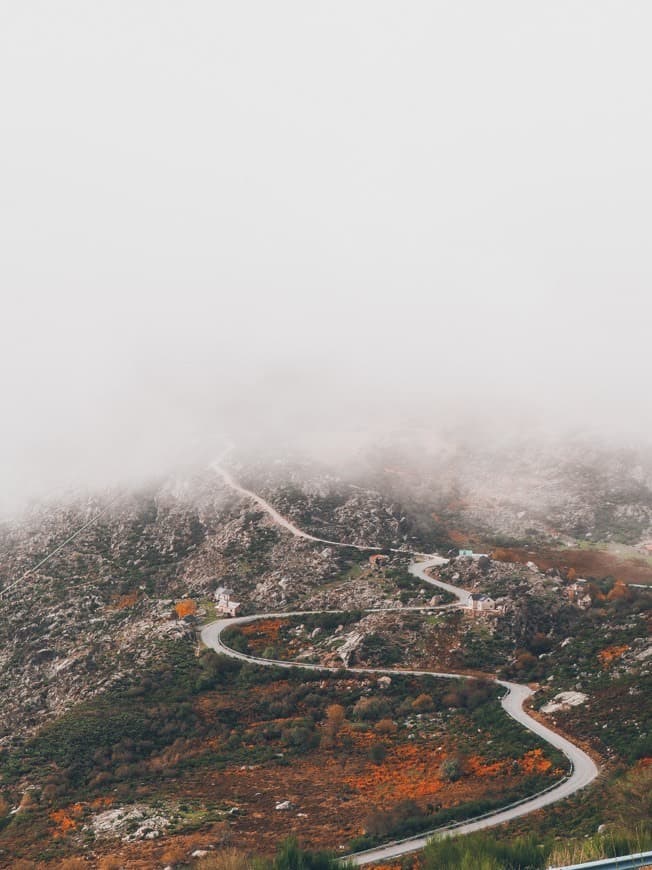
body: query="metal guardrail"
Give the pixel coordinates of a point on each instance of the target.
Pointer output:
(622, 862)
(413, 837)
(453, 825)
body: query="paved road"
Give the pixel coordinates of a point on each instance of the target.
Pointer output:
(583, 768)
(420, 569)
(299, 533)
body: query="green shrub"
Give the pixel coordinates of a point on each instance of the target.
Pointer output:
(291, 857)
(483, 852)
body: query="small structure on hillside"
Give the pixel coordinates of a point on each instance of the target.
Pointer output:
(378, 561)
(224, 603)
(578, 593)
(469, 554)
(478, 602)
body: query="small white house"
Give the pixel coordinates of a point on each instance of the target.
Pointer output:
(477, 602)
(224, 603)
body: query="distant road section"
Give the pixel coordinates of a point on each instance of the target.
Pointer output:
(299, 533)
(583, 768)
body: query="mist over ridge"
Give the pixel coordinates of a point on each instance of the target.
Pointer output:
(318, 227)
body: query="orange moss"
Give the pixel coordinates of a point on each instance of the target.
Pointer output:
(499, 554)
(264, 633)
(608, 655)
(407, 772)
(125, 601)
(63, 823)
(478, 767)
(267, 628)
(534, 761)
(186, 607)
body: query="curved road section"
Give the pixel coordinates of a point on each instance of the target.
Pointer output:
(583, 768)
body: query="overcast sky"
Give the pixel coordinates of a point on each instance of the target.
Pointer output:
(315, 214)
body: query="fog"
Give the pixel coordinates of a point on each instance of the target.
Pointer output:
(317, 222)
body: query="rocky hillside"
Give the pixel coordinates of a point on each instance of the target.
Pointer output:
(524, 491)
(143, 574)
(113, 728)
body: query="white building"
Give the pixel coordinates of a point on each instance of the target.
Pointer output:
(224, 603)
(477, 602)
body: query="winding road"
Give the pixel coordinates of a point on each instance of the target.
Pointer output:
(583, 769)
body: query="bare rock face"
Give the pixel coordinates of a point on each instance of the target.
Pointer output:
(564, 700)
(350, 645)
(129, 824)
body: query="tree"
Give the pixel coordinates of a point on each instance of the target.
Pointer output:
(423, 703)
(334, 719)
(370, 709)
(450, 769)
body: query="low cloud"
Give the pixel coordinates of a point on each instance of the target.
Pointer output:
(313, 226)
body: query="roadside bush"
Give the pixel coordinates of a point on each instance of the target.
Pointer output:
(483, 852)
(609, 844)
(371, 709)
(291, 857)
(450, 769)
(379, 651)
(226, 859)
(378, 752)
(423, 703)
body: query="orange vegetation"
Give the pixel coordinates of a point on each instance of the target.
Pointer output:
(478, 767)
(128, 600)
(408, 772)
(263, 633)
(608, 655)
(186, 607)
(268, 628)
(65, 820)
(619, 590)
(584, 562)
(534, 761)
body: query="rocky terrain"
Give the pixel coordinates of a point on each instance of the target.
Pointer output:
(587, 641)
(524, 491)
(99, 609)
(104, 689)
(326, 505)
